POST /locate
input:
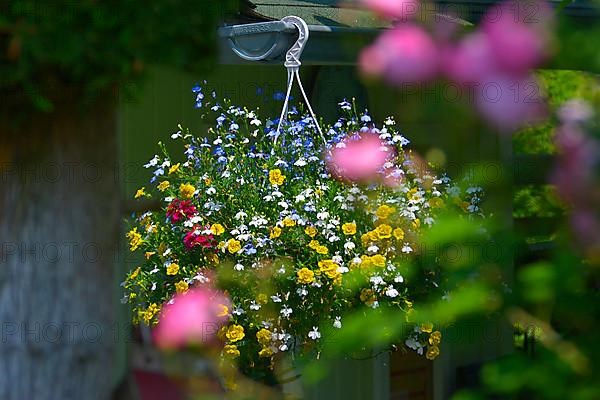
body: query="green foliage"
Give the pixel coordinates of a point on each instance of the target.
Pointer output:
(88, 47)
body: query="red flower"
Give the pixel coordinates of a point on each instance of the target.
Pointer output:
(197, 238)
(180, 209)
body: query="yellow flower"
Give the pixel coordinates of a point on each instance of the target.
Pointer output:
(186, 191)
(378, 260)
(212, 258)
(264, 337)
(135, 239)
(223, 310)
(135, 273)
(373, 235)
(235, 333)
(149, 254)
(314, 244)
(305, 276)
(217, 229)
(365, 238)
(384, 211)
(436, 202)
(384, 231)
(367, 296)
(311, 231)
(366, 262)
(233, 246)
(150, 312)
(172, 269)
(207, 181)
(231, 350)
(181, 286)
(287, 222)
(412, 194)
(322, 249)
(349, 228)
(164, 185)
(265, 352)
(398, 233)
(275, 232)
(416, 223)
(432, 352)
(318, 192)
(329, 268)
(426, 327)
(276, 177)
(140, 193)
(262, 298)
(435, 338)
(174, 168)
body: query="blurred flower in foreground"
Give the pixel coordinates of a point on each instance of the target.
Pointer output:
(406, 54)
(496, 59)
(393, 9)
(193, 317)
(507, 103)
(574, 173)
(359, 158)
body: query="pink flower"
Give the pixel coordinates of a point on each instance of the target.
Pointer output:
(393, 9)
(508, 103)
(360, 158)
(193, 317)
(518, 35)
(469, 61)
(405, 54)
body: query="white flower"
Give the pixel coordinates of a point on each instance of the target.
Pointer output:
(240, 215)
(300, 163)
(399, 279)
(391, 292)
(302, 291)
(254, 306)
(323, 215)
(276, 299)
(349, 246)
(286, 311)
(283, 204)
(210, 191)
(411, 343)
(238, 267)
(300, 198)
(152, 163)
(238, 311)
(406, 248)
(314, 334)
(337, 323)
(372, 249)
(377, 280)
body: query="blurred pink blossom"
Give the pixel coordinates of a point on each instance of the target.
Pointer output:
(518, 35)
(404, 54)
(360, 159)
(510, 103)
(470, 60)
(193, 317)
(393, 9)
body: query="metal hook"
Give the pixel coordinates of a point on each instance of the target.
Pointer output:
(292, 57)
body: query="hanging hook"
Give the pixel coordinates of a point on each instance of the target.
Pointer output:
(292, 57)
